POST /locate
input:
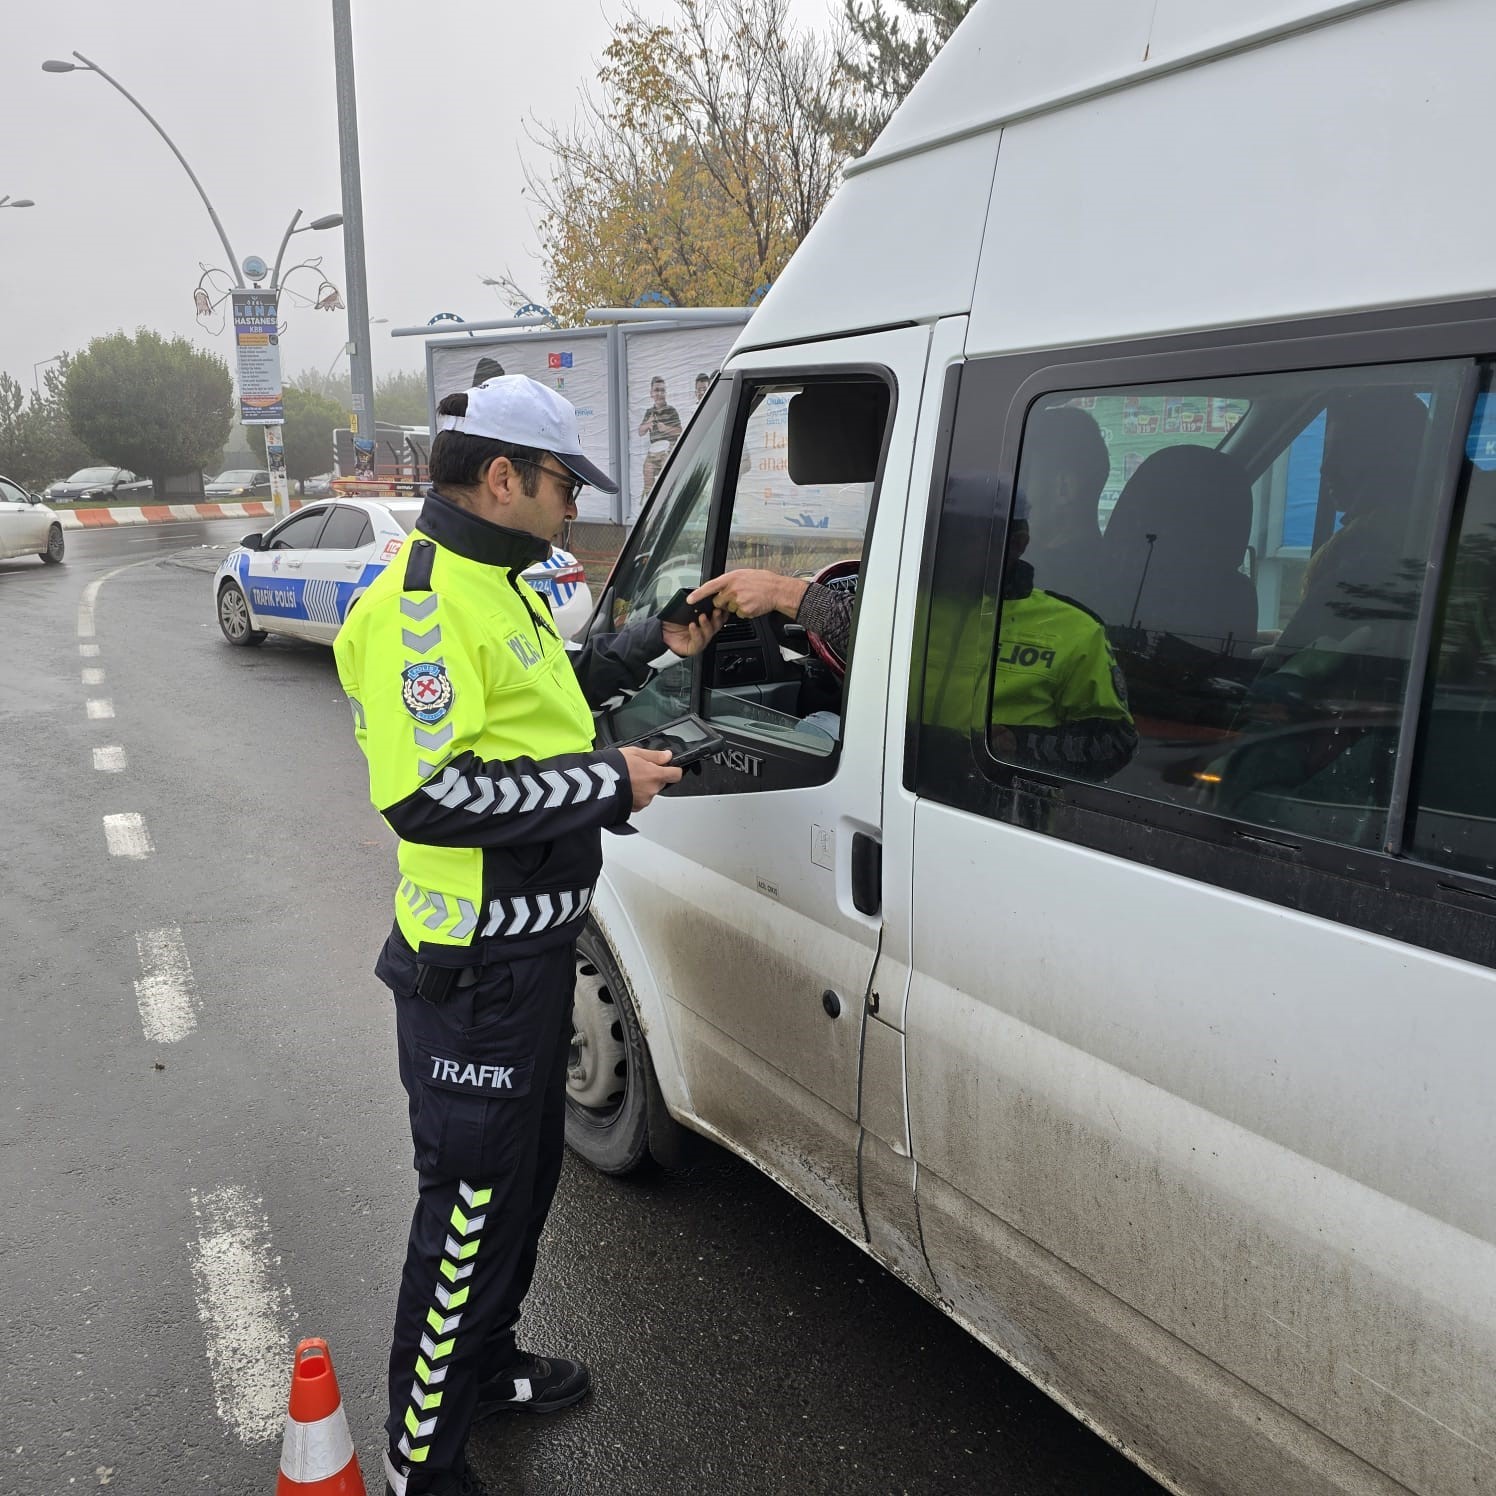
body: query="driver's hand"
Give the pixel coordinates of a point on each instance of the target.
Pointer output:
(751, 594)
(687, 639)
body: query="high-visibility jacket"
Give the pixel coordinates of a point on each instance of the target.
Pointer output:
(478, 732)
(1056, 685)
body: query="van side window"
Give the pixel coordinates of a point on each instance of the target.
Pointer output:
(798, 505)
(1207, 591)
(1277, 705)
(1453, 822)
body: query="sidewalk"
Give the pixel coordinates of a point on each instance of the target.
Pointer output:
(595, 544)
(160, 514)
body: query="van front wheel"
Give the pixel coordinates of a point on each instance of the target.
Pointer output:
(615, 1118)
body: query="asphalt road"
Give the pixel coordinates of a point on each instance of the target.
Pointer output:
(203, 1151)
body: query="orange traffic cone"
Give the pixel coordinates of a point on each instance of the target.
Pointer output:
(317, 1457)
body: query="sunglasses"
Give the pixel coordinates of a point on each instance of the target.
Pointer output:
(574, 484)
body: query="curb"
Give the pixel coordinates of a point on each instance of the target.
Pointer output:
(160, 514)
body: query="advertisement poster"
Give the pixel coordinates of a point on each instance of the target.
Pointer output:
(257, 350)
(668, 373)
(572, 365)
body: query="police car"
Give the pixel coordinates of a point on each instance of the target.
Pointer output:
(302, 576)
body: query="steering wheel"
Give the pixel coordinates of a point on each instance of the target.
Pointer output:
(839, 576)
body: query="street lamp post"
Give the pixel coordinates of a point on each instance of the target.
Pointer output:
(273, 433)
(327, 377)
(360, 366)
(36, 368)
(53, 65)
(16, 202)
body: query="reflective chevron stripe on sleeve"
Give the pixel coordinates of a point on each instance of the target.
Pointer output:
(531, 914)
(522, 793)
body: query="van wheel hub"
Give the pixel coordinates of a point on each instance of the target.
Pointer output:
(597, 1067)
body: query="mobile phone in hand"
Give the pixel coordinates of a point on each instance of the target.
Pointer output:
(678, 610)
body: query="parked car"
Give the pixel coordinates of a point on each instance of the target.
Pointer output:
(27, 526)
(302, 576)
(318, 487)
(99, 483)
(239, 483)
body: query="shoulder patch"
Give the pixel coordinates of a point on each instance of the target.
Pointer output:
(420, 556)
(426, 690)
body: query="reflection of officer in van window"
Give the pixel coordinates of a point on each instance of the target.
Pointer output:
(1059, 701)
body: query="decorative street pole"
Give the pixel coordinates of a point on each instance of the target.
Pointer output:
(52, 65)
(360, 366)
(256, 313)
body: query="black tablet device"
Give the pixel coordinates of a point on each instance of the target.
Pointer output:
(688, 740)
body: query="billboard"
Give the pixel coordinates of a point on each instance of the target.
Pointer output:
(574, 364)
(668, 372)
(257, 351)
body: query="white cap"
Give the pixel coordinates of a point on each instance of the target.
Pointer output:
(515, 408)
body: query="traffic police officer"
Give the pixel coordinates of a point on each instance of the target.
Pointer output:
(477, 725)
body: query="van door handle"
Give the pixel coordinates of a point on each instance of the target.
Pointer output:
(867, 873)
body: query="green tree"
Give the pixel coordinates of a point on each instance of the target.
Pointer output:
(36, 443)
(401, 398)
(307, 432)
(699, 167)
(155, 406)
(883, 54)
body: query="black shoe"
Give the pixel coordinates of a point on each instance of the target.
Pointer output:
(534, 1384)
(464, 1481)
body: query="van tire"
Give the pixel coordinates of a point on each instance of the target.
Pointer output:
(621, 1132)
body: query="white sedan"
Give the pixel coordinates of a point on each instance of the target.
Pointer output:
(29, 528)
(302, 576)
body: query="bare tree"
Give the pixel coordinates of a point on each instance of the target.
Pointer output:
(697, 167)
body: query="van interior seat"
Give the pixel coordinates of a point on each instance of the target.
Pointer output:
(1173, 550)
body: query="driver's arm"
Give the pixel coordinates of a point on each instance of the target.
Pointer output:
(827, 611)
(751, 593)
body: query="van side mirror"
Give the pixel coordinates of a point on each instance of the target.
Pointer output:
(254, 542)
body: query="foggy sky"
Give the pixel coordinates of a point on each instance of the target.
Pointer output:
(246, 91)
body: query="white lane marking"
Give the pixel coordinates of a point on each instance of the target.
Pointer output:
(165, 992)
(100, 709)
(110, 760)
(91, 594)
(88, 651)
(92, 676)
(246, 1311)
(127, 836)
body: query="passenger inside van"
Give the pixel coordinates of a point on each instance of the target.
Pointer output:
(1065, 468)
(1358, 597)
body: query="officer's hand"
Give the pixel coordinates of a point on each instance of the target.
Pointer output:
(686, 639)
(650, 770)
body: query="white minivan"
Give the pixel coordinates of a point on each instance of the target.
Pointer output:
(1108, 947)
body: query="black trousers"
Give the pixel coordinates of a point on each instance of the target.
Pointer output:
(485, 1072)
